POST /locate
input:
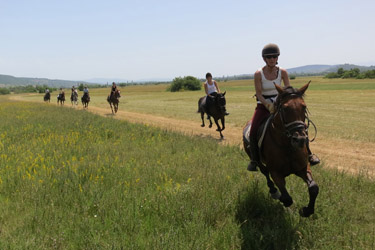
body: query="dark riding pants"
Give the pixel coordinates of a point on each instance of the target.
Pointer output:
(261, 113)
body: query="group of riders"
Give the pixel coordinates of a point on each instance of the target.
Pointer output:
(265, 79)
(86, 94)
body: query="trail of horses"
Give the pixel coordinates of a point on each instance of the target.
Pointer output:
(348, 155)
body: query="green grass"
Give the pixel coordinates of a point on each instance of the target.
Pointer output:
(73, 180)
(341, 108)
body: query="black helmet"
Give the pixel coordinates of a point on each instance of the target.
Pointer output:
(270, 50)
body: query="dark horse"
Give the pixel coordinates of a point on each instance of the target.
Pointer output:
(284, 150)
(74, 98)
(61, 98)
(215, 108)
(113, 99)
(85, 100)
(47, 97)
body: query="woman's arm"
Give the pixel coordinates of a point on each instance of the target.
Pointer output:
(205, 88)
(217, 87)
(285, 77)
(258, 92)
(258, 87)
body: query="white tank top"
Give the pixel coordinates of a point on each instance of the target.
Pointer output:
(268, 88)
(211, 88)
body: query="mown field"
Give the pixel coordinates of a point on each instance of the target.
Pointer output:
(73, 180)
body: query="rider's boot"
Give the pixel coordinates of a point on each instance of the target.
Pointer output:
(254, 154)
(313, 159)
(226, 113)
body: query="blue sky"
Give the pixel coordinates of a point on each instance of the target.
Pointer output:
(79, 40)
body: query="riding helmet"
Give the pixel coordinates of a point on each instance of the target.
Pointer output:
(270, 50)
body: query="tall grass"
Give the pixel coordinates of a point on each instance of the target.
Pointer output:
(73, 180)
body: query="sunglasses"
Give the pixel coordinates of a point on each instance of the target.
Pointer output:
(272, 56)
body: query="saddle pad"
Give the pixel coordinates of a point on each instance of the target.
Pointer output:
(246, 132)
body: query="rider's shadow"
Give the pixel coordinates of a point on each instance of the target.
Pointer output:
(264, 222)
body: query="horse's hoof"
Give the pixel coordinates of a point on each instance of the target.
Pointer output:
(276, 195)
(306, 212)
(202, 125)
(222, 128)
(287, 202)
(218, 130)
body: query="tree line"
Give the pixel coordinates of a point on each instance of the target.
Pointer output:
(352, 73)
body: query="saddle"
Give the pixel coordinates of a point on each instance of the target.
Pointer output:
(260, 133)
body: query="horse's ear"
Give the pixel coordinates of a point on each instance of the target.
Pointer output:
(304, 88)
(224, 92)
(278, 88)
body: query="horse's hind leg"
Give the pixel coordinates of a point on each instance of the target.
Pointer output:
(313, 193)
(202, 117)
(280, 183)
(275, 194)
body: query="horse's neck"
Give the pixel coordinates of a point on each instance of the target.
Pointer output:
(277, 132)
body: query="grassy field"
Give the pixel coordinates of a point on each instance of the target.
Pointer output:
(341, 108)
(73, 180)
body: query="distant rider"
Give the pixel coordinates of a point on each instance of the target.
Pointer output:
(211, 88)
(113, 89)
(86, 91)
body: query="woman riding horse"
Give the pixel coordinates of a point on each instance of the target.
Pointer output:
(264, 80)
(211, 88)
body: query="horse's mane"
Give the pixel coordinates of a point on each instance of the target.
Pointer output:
(288, 92)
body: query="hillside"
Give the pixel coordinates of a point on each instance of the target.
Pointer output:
(7, 80)
(323, 69)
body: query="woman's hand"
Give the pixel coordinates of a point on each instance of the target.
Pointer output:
(270, 107)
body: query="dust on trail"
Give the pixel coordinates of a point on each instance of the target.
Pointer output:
(347, 155)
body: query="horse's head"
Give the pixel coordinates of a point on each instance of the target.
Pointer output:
(117, 93)
(221, 102)
(291, 110)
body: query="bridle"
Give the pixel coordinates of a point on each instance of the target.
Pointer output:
(294, 126)
(221, 107)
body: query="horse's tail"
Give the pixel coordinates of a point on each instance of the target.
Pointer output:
(200, 108)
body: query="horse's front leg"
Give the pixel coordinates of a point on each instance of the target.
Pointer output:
(275, 194)
(222, 123)
(209, 118)
(110, 104)
(279, 180)
(313, 192)
(218, 127)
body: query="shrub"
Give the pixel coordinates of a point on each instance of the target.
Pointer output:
(4, 91)
(185, 83)
(292, 77)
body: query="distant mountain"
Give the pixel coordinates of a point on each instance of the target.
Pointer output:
(119, 80)
(324, 69)
(6, 80)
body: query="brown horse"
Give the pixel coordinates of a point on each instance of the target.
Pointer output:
(214, 107)
(85, 100)
(284, 149)
(47, 97)
(113, 99)
(61, 98)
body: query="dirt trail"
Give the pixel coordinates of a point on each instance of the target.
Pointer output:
(352, 156)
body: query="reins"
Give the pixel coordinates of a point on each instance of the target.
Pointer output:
(294, 126)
